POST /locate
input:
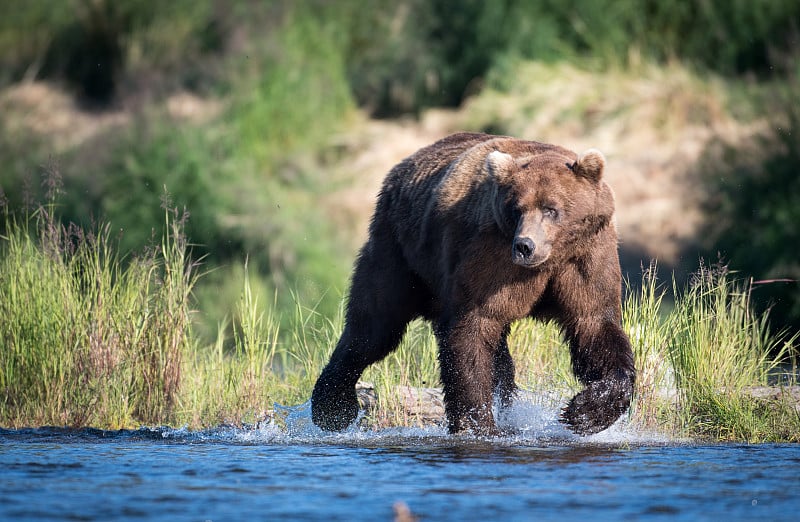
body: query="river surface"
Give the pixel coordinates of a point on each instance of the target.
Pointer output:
(292, 471)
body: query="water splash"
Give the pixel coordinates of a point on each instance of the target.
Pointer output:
(298, 426)
(531, 420)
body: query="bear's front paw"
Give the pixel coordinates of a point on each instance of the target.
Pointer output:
(598, 406)
(334, 411)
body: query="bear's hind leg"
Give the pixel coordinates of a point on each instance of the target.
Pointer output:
(503, 382)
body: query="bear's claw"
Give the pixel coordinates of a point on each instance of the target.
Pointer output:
(598, 406)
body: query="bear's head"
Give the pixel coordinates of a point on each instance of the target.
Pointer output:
(549, 202)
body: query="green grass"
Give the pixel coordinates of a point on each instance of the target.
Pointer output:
(84, 340)
(698, 361)
(90, 339)
(719, 348)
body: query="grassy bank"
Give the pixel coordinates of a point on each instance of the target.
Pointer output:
(699, 361)
(84, 340)
(90, 340)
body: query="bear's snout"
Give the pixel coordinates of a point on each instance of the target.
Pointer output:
(522, 251)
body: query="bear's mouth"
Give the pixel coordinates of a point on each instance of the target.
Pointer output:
(528, 263)
(524, 252)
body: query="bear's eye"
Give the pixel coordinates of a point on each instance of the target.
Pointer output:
(550, 212)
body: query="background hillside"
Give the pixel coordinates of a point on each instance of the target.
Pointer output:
(273, 123)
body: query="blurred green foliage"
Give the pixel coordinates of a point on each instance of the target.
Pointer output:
(753, 210)
(291, 73)
(408, 55)
(398, 56)
(245, 176)
(95, 45)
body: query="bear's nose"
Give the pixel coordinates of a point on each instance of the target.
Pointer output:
(523, 249)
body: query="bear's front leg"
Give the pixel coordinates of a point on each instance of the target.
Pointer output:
(466, 357)
(334, 404)
(365, 340)
(602, 360)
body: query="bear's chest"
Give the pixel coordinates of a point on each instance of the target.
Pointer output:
(505, 294)
(510, 301)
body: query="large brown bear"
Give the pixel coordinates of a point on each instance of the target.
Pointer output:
(473, 233)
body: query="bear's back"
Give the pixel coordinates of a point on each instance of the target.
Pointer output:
(447, 172)
(430, 161)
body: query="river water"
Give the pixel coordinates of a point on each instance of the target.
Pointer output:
(294, 472)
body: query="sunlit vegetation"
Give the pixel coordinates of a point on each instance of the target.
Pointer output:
(90, 340)
(119, 310)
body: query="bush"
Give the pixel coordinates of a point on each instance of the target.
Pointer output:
(410, 55)
(237, 211)
(727, 37)
(406, 56)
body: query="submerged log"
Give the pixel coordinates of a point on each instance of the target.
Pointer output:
(427, 404)
(424, 404)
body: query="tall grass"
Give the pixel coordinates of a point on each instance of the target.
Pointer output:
(264, 366)
(648, 326)
(88, 339)
(84, 341)
(719, 348)
(232, 387)
(700, 360)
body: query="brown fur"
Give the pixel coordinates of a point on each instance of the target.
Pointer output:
(473, 233)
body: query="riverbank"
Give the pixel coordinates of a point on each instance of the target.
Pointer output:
(92, 341)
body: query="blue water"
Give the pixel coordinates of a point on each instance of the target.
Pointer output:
(275, 472)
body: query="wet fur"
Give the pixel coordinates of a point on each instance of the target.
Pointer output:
(439, 247)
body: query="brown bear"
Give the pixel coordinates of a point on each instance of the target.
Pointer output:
(473, 233)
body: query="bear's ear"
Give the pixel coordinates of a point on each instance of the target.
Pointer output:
(499, 165)
(590, 165)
